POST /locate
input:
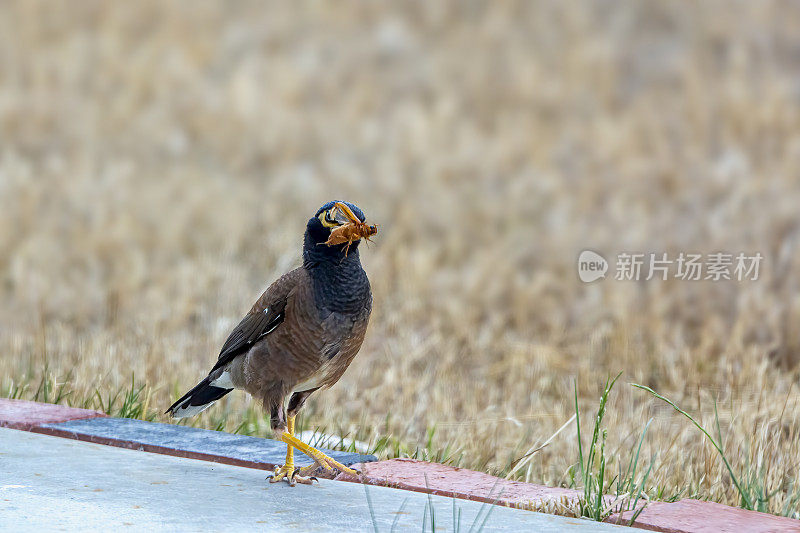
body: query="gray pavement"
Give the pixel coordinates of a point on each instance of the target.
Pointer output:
(50, 483)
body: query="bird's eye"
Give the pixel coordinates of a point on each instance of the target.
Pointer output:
(328, 218)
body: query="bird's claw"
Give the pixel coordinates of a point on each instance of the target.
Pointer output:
(290, 474)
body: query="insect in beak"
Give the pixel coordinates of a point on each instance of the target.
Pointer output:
(351, 230)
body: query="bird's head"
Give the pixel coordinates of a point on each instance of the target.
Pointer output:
(336, 229)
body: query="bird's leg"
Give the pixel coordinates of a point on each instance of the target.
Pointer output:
(288, 470)
(295, 403)
(323, 460)
(289, 464)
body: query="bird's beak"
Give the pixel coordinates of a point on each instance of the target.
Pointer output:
(351, 228)
(345, 215)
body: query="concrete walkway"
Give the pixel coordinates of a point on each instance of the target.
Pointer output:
(50, 483)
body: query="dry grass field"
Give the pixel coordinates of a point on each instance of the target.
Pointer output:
(158, 162)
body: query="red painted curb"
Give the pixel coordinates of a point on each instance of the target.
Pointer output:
(695, 516)
(433, 478)
(25, 415)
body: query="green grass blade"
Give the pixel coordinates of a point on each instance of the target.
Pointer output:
(371, 509)
(396, 517)
(745, 497)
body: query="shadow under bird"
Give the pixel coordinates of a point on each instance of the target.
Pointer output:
(300, 335)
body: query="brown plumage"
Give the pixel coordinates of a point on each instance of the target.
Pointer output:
(310, 350)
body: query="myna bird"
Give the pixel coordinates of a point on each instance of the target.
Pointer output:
(300, 335)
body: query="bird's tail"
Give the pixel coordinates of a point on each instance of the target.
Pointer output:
(200, 398)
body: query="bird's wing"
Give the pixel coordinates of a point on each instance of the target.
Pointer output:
(266, 315)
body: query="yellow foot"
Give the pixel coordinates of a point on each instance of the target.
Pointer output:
(320, 458)
(332, 470)
(291, 474)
